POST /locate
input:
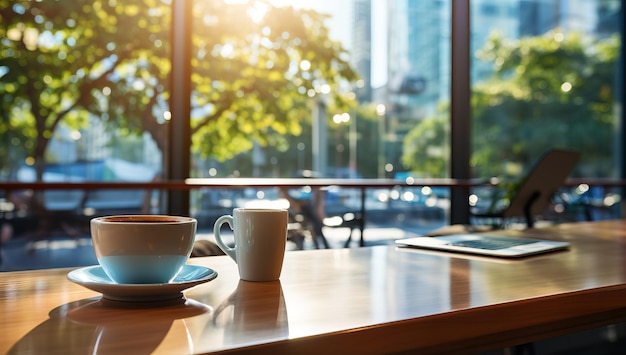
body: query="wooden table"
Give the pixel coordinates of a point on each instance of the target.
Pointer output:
(362, 300)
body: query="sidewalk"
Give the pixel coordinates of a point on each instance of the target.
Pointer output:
(22, 254)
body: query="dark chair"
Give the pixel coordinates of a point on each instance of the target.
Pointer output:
(531, 197)
(349, 220)
(534, 193)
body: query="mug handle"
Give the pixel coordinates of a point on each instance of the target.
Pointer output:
(218, 237)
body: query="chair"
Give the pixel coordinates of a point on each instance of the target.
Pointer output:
(536, 190)
(531, 197)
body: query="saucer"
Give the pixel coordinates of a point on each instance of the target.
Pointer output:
(94, 278)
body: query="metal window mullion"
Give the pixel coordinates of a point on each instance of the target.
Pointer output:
(178, 155)
(460, 109)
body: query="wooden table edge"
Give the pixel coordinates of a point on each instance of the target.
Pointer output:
(481, 328)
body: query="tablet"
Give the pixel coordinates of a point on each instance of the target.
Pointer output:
(482, 244)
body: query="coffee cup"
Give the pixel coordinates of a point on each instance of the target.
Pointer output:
(260, 237)
(142, 249)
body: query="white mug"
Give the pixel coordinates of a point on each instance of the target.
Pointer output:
(260, 241)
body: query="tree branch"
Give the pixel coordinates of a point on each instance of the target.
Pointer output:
(221, 105)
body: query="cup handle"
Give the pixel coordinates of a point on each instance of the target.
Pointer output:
(218, 237)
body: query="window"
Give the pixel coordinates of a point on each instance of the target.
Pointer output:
(84, 90)
(547, 76)
(344, 88)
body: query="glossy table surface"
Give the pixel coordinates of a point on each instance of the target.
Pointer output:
(361, 300)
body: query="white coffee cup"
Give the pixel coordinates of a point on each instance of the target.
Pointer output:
(260, 240)
(142, 249)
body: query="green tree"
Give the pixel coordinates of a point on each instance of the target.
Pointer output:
(426, 148)
(367, 140)
(550, 91)
(298, 156)
(257, 77)
(255, 69)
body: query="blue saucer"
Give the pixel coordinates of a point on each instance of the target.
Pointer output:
(94, 278)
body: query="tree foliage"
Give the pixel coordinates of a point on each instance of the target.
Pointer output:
(257, 76)
(426, 148)
(255, 68)
(550, 91)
